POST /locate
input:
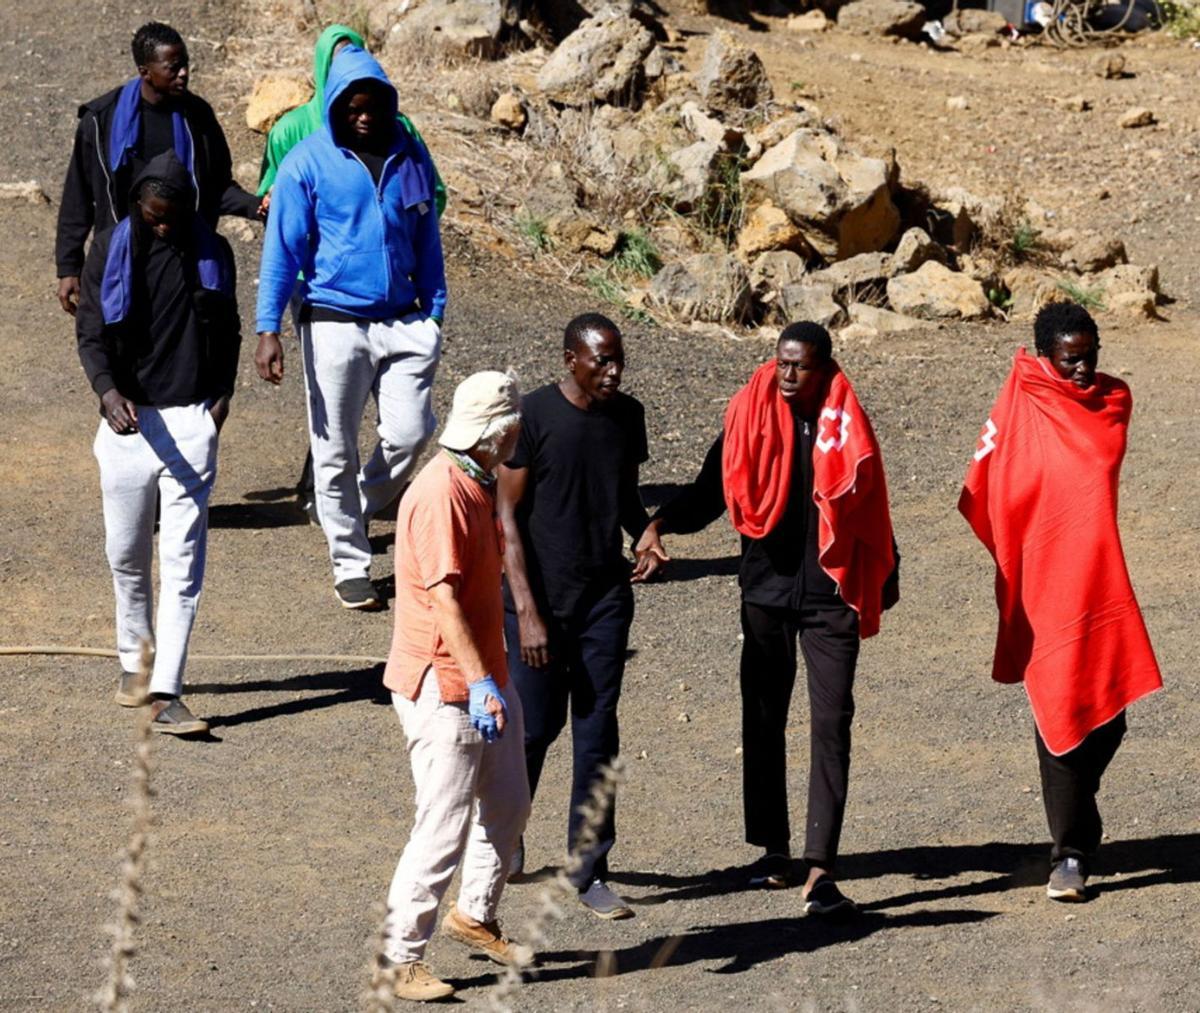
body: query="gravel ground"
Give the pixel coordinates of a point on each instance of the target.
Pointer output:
(274, 839)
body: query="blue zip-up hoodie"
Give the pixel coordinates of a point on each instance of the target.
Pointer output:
(364, 249)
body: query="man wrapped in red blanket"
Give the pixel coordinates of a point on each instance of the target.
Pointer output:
(1041, 494)
(800, 471)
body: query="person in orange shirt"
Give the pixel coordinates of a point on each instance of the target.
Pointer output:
(448, 675)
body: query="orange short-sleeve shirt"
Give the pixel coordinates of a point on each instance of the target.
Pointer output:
(446, 530)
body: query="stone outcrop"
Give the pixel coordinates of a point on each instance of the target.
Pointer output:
(881, 320)
(933, 291)
(841, 200)
(883, 17)
(732, 77)
(915, 247)
(475, 27)
(273, 96)
(508, 111)
(686, 176)
(769, 228)
(706, 286)
(1094, 253)
(1031, 288)
(601, 61)
(803, 300)
(770, 273)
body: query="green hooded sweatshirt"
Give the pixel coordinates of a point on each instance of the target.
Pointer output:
(296, 124)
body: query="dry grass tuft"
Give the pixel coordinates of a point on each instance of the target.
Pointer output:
(380, 996)
(113, 997)
(560, 888)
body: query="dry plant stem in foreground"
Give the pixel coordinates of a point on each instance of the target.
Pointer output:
(113, 997)
(560, 888)
(380, 996)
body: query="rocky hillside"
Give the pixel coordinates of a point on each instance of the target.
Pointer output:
(608, 147)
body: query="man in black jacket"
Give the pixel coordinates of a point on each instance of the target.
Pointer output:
(158, 332)
(121, 131)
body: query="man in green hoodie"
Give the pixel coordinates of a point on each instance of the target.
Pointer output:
(289, 130)
(296, 124)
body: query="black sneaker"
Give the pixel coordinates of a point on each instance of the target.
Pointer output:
(357, 593)
(1068, 881)
(826, 899)
(772, 872)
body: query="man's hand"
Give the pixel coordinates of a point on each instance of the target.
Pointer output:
(486, 708)
(264, 206)
(535, 641)
(68, 293)
(650, 554)
(268, 358)
(119, 412)
(219, 411)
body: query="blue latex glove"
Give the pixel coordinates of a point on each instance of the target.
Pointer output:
(481, 719)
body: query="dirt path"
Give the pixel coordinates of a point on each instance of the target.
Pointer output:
(274, 840)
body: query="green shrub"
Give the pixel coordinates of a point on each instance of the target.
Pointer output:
(1088, 298)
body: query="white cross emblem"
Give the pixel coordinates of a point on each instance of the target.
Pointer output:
(833, 438)
(987, 440)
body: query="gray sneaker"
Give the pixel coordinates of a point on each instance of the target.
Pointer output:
(1068, 881)
(603, 903)
(357, 593)
(172, 717)
(132, 690)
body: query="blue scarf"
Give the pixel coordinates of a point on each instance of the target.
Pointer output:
(127, 120)
(116, 285)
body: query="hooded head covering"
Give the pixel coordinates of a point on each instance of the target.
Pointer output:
(355, 65)
(298, 123)
(116, 284)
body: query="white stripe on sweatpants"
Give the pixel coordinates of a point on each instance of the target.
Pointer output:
(344, 363)
(172, 458)
(472, 801)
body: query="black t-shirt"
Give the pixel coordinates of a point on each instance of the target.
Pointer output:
(581, 491)
(157, 133)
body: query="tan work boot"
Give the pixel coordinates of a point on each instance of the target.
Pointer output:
(416, 983)
(486, 938)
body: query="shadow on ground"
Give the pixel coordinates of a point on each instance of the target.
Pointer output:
(1171, 858)
(348, 685)
(741, 946)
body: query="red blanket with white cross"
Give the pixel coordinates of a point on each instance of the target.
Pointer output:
(855, 545)
(1041, 494)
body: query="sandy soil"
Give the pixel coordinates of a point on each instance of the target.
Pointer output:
(274, 839)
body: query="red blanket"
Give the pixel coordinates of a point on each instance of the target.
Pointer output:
(1041, 494)
(849, 487)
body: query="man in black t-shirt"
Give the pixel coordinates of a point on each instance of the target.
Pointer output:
(564, 497)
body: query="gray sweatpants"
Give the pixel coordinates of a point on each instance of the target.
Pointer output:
(173, 457)
(394, 361)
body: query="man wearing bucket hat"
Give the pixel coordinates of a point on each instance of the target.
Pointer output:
(448, 675)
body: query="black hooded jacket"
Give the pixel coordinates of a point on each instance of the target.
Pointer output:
(179, 343)
(93, 196)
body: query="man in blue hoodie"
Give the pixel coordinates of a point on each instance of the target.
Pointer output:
(353, 211)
